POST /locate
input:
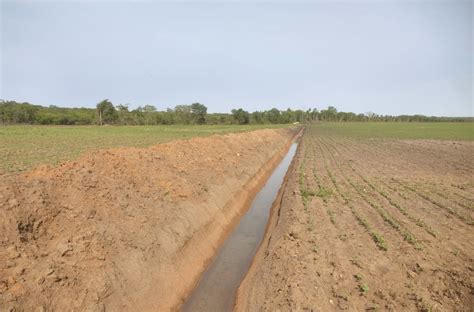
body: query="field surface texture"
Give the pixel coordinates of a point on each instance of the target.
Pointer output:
(371, 217)
(127, 229)
(25, 147)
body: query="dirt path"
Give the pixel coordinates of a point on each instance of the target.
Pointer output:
(369, 225)
(127, 229)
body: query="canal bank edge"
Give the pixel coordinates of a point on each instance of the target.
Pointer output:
(244, 291)
(214, 235)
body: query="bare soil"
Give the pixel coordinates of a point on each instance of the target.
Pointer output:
(127, 229)
(369, 224)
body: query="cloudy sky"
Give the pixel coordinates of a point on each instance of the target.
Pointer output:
(389, 57)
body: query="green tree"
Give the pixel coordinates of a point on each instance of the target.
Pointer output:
(258, 117)
(106, 112)
(149, 109)
(183, 114)
(199, 112)
(273, 116)
(240, 116)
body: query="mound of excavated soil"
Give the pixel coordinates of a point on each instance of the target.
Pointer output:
(129, 228)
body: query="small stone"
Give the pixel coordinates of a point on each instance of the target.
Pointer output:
(418, 267)
(91, 214)
(54, 277)
(11, 281)
(13, 253)
(13, 202)
(331, 301)
(19, 271)
(372, 307)
(99, 307)
(294, 235)
(10, 264)
(18, 289)
(3, 287)
(63, 249)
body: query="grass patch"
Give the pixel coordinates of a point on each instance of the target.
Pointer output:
(323, 193)
(398, 130)
(25, 147)
(363, 288)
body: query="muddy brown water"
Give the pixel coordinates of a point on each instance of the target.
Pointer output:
(217, 287)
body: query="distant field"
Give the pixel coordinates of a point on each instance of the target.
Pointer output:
(25, 147)
(400, 130)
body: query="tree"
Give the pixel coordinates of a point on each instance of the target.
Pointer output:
(370, 115)
(199, 113)
(329, 114)
(122, 108)
(240, 116)
(149, 109)
(288, 116)
(183, 114)
(258, 117)
(106, 112)
(273, 116)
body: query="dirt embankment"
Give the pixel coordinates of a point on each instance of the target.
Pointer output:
(127, 229)
(368, 225)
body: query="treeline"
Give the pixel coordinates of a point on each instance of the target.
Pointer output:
(12, 112)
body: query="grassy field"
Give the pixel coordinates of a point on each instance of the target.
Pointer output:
(398, 130)
(25, 147)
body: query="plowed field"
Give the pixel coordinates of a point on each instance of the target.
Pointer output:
(369, 223)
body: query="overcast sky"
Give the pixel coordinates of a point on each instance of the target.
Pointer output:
(389, 57)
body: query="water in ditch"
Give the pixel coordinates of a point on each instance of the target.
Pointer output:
(218, 285)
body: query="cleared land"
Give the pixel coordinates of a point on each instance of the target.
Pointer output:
(372, 217)
(25, 147)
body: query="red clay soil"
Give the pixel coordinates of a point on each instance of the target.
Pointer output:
(369, 225)
(127, 229)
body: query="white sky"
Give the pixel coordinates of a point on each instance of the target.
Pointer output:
(389, 57)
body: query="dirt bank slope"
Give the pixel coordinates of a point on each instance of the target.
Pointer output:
(366, 225)
(126, 229)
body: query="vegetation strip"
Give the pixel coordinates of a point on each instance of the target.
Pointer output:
(417, 221)
(466, 219)
(394, 223)
(377, 238)
(392, 202)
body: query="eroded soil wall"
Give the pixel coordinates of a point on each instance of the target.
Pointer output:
(127, 229)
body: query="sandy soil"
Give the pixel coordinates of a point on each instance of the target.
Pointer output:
(369, 225)
(127, 229)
